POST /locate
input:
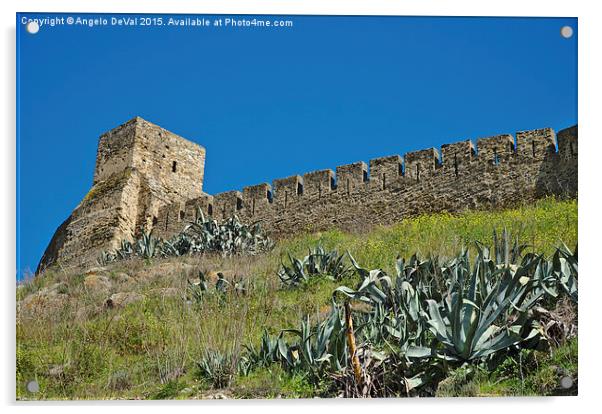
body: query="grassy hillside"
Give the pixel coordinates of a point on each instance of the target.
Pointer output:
(132, 329)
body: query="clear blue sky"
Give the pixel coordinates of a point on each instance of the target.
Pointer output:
(273, 102)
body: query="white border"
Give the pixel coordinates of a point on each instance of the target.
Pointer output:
(590, 70)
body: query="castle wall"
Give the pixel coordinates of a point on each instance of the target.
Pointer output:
(147, 178)
(98, 223)
(497, 173)
(140, 167)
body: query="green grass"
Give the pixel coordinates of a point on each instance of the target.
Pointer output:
(542, 226)
(272, 382)
(530, 373)
(78, 349)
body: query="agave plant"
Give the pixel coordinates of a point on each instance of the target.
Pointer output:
(396, 316)
(146, 246)
(487, 307)
(319, 262)
(229, 237)
(265, 354)
(221, 285)
(475, 310)
(218, 368)
(375, 286)
(566, 271)
(314, 350)
(319, 349)
(503, 252)
(435, 314)
(199, 289)
(200, 236)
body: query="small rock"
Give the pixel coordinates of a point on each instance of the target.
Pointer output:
(42, 304)
(56, 371)
(121, 299)
(166, 268)
(122, 277)
(95, 270)
(97, 284)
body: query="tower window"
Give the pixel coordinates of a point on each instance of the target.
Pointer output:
(533, 147)
(456, 164)
(174, 166)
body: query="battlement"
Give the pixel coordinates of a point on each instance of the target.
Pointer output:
(499, 171)
(460, 175)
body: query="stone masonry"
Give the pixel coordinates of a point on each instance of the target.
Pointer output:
(148, 178)
(140, 167)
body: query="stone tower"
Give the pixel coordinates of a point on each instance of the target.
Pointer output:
(140, 167)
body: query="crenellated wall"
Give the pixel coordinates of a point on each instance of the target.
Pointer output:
(148, 178)
(499, 172)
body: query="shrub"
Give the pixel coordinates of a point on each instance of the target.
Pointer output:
(318, 263)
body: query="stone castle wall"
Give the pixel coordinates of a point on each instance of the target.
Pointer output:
(497, 173)
(140, 167)
(147, 178)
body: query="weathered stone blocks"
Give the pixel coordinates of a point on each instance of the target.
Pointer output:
(384, 171)
(567, 143)
(257, 198)
(536, 143)
(493, 150)
(318, 183)
(457, 156)
(140, 167)
(421, 164)
(351, 177)
(227, 204)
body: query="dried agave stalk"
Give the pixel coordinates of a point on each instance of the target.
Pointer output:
(355, 361)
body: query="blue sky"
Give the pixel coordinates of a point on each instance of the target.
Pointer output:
(272, 102)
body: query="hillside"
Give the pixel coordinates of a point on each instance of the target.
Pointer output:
(137, 329)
